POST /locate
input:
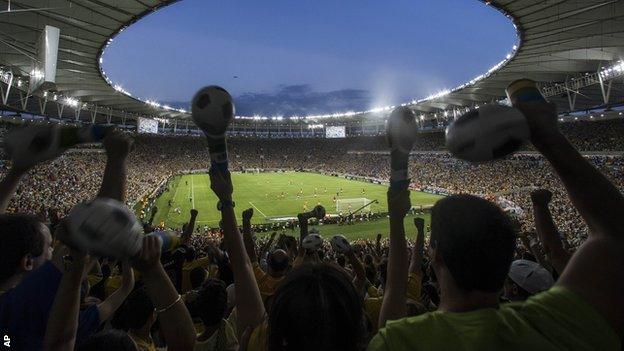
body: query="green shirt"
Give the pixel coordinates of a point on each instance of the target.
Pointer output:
(553, 320)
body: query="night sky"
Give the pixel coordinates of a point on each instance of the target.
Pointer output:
(289, 57)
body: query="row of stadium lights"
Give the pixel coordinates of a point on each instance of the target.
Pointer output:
(66, 100)
(613, 71)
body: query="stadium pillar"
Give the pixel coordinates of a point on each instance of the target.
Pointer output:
(24, 99)
(123, 119)
(605, 93)
(42, 105)
(571, 97)
(175, 126)
(77, 112)
(5, 95)
(94, 114)
(59, 109)
(109, 117)
(187, 126)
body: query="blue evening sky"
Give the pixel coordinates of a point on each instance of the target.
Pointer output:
(295, 57)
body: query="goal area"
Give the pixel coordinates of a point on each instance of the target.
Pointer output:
(357, 205)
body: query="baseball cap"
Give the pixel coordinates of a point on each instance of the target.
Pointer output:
(530, 276)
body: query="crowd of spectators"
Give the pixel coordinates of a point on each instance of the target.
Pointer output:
(477, 278)
(52, 189)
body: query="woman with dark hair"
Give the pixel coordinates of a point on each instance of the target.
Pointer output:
(211, 304)
(315, 308)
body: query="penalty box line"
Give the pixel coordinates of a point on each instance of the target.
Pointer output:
(254, 206)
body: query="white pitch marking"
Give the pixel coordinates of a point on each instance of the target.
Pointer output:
(192, 191)
(254, 206)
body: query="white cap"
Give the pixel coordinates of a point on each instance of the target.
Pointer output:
(530, 276)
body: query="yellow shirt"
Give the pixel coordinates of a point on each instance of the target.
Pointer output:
(143, 344)
(203, 262)
(224, 339)
(259, 337)
(372, 305)
(266, 283)
(557, 319)
(414, 286)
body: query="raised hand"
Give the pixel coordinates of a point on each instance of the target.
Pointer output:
(117, 144)
(221, 185)
(398, 202)
(542, 120)
(541, 196)
(148, 257)
(247, 214)
(420, 224)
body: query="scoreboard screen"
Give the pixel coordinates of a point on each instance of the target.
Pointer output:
(335, 132)
(146, 125)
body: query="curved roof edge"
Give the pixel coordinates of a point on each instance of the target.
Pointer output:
(560, 44)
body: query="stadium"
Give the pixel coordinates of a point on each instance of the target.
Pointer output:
(129, 227)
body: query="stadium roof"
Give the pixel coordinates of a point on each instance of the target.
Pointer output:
(572, 47)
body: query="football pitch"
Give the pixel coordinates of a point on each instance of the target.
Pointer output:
(275, 196)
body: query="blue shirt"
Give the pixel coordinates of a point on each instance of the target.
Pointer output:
(24, 310)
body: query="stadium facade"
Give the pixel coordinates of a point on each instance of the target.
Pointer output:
(572, 48)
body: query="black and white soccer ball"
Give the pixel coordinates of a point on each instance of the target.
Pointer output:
(104, 227)
(312, 242)
(213, 110)
(340, 244)
(33, 144)
(493, 131)
(402, 129)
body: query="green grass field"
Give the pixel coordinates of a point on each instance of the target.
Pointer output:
(274, 195)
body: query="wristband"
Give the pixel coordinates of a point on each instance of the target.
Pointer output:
(161, 310)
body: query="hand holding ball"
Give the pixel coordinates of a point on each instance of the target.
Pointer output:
(402, 129)
(490, 132)
(401, 133)
(213, 111)
(104, 227)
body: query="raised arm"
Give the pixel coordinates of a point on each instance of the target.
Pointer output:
(417, 251)
(358, 269)
(596, 271)
(393, 306)
(188, 230)
(117, 146)
(303, 227)
(378, 245)
(250, 246)
(249, 307)
(108, 307)
(62, 324)
(547, 231)
(175, 321)
(267, 245)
